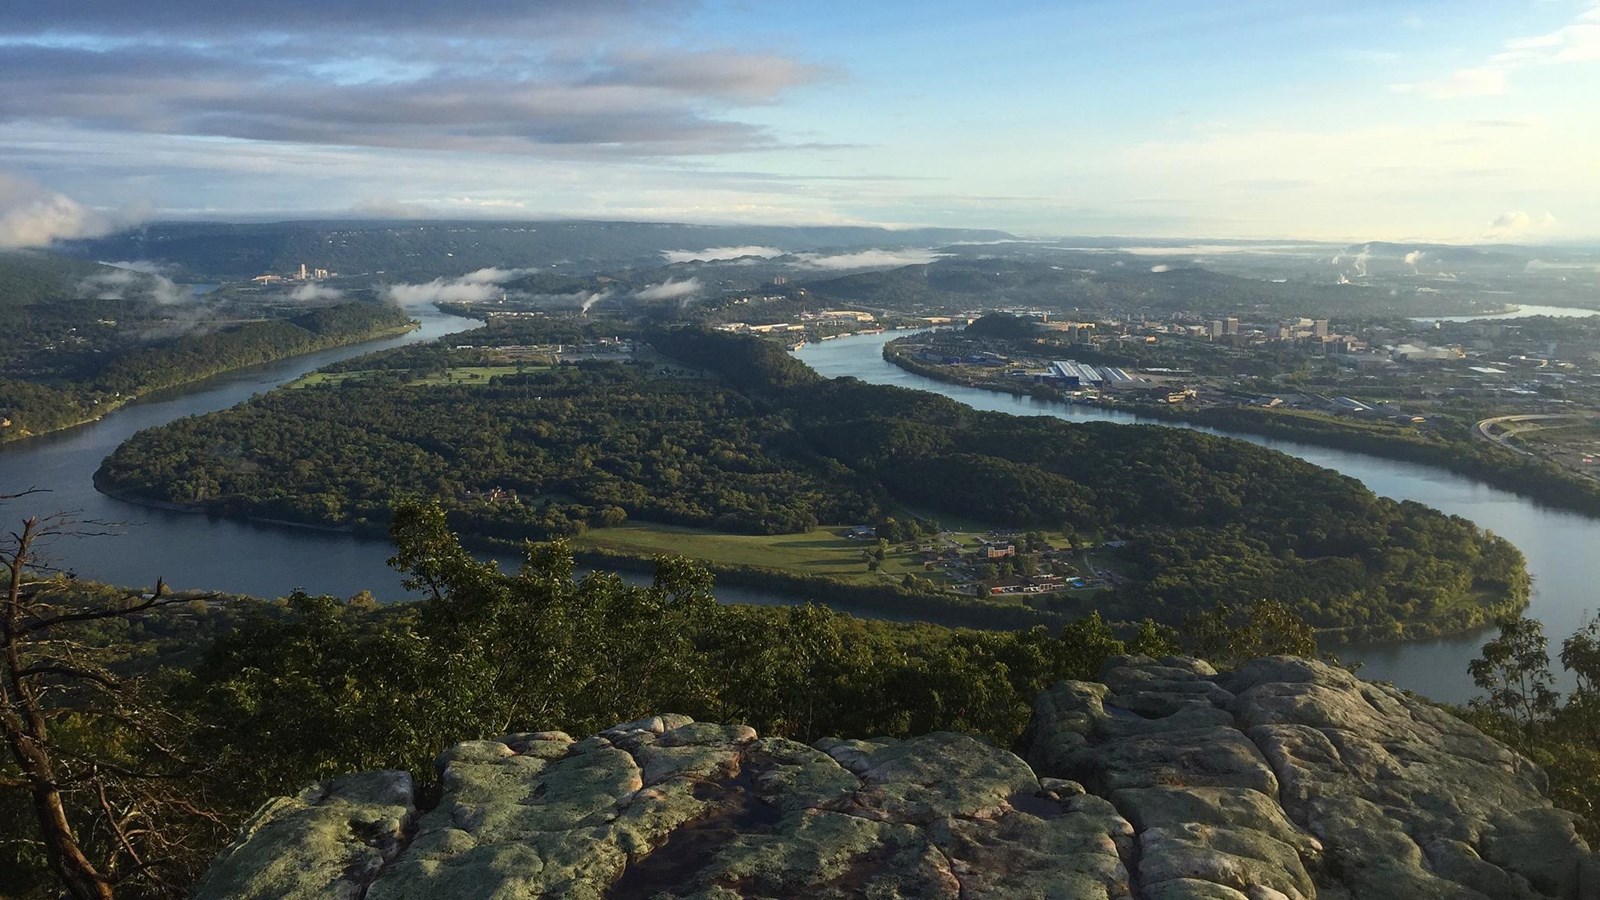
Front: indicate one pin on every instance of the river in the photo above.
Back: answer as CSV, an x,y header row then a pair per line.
x,y
204,552
1560,546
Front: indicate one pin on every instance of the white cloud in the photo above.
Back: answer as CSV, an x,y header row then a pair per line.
x,y
440,290
1517,223
670,290
128,283
869,259
494,275
1573,43
138,265
486,203
715,254
1482,81
390,209
315,293
32,215
473,287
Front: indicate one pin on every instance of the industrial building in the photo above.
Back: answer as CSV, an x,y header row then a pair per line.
x,y
1071,373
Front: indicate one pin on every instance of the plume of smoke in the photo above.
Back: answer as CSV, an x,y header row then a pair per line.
x,y
1361,260
1412,259
1161,268
670,290
32,215
716,254
315,293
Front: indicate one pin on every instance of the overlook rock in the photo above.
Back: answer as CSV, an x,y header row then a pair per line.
x,y
1286,778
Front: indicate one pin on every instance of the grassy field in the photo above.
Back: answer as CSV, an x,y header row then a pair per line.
x,y
822,552
476,374
457,375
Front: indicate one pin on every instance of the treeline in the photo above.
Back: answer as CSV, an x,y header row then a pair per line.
x,y
191,357
1108,282
583,445
1520,706
90,378
1533,478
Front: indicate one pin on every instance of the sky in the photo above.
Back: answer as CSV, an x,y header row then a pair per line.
x,y
1462,121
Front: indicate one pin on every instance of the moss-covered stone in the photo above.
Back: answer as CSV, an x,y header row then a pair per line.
x,y
1284,779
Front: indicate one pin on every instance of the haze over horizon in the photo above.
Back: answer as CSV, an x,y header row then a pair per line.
x,y
1461,122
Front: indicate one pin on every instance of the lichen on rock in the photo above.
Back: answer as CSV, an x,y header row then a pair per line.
x,y
1285,778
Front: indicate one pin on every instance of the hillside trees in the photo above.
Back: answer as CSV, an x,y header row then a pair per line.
x,y
1521,707
95,759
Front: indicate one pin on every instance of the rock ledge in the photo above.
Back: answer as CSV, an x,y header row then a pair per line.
x,y
1284,779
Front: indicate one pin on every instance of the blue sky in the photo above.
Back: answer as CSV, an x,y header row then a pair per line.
x,y
1460,121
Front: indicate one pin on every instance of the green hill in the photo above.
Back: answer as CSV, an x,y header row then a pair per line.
x,y
31,277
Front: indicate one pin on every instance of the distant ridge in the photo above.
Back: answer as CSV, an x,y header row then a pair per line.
x,y
404,248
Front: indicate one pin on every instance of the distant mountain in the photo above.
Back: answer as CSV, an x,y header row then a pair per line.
x,y
405,249
1440,254
994,282
1118,282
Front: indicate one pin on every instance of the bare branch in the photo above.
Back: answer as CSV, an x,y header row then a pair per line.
x,y
60,668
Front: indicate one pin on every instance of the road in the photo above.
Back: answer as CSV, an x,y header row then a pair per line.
x,y
1485,429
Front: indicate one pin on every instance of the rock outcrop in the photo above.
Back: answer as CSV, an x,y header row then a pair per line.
x,y
1284,779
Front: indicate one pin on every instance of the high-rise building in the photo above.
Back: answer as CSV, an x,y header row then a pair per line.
x,y
1216,328
1231,326
1319,328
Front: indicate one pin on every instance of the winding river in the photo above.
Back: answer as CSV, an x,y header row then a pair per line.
x,y
199,551
1561,547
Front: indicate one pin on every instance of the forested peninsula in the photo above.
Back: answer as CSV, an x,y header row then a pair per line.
x,y
731,435
68,364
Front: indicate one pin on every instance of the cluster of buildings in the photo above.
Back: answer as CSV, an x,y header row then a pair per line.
x,y
303,274
1073,374
1052,570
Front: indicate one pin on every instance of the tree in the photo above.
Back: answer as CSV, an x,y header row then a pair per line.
x,y
96,758
1226,635
1515,671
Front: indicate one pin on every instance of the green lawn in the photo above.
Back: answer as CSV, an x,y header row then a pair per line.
x,y
457,375
316,378
821,552
476,374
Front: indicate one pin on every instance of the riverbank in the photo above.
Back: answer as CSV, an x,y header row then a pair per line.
x,y
194,375
1521,475
886,601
